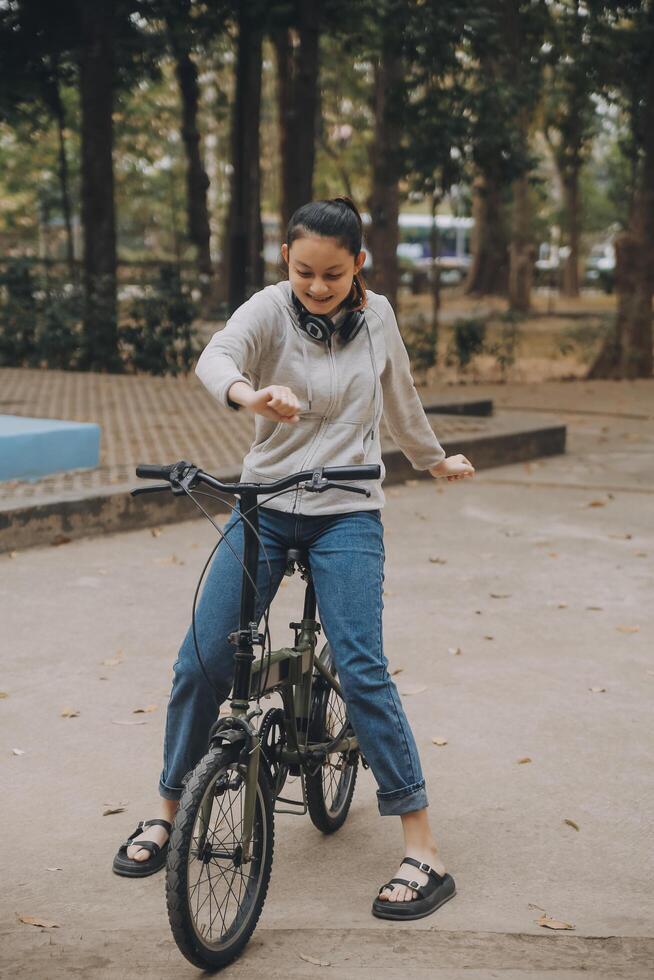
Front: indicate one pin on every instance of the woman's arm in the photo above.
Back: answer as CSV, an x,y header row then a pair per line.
x,y
403,411
237,349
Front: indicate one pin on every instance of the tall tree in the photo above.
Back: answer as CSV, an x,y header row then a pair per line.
x,y
96,59
295,32
504,38
244,238
569,120
624,36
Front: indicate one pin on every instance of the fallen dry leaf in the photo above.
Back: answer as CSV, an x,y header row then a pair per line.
x,y
597,503
595,608
143,722
562,605
524,759
628,629
13,554
312,959
488,637
456,650
114,661
18,751
396,670
412,688
3,694
549,923
571,823
146,710
552,554
155,531
621,536
70,713
597,690
34,920
438,561
439,741
500,595
112,809
60,539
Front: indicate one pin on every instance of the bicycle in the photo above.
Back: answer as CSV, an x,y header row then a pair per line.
x,y
222,835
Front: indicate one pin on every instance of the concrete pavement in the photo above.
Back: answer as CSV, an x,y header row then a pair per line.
x,y
543,583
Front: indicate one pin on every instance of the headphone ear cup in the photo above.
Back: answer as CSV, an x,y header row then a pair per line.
x,y
351,325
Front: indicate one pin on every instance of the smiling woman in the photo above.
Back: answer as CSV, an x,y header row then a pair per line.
x,y
318,360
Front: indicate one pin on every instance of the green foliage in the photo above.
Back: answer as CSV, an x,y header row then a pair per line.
x,y
39,319
159,337
504,349
19,311
468,337
420,339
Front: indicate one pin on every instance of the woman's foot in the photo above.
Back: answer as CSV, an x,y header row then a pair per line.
x,y
155,833
400,893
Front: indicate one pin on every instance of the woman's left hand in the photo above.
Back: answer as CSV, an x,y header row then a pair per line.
x,y
453,468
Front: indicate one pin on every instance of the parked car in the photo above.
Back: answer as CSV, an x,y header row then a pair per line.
x,y
600,266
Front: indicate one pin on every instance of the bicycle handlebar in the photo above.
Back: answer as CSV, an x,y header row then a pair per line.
x,y
176,473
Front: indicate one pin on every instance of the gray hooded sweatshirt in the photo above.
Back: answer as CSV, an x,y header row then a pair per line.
x,y
343,390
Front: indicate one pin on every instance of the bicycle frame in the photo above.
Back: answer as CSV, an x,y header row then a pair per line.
x,y
289,671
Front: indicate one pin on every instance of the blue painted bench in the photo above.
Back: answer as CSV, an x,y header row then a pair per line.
x,y
33,448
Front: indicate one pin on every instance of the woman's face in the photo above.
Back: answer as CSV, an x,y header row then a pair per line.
x,y
321,271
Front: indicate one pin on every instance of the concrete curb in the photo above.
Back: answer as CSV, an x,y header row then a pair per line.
x,y
115,510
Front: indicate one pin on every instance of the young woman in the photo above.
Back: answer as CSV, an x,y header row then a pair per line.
x,y
318,360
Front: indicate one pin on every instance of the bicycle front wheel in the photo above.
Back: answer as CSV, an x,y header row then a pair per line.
x,y
215,899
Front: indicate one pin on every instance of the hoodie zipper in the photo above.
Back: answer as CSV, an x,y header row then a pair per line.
x,y
318,436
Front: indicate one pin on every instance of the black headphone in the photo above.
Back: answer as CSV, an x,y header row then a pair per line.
x,y
321,327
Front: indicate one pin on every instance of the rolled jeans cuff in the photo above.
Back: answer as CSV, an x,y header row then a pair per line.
x,y
169,792
404,800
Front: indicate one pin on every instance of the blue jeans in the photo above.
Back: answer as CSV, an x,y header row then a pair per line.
x,y
346,555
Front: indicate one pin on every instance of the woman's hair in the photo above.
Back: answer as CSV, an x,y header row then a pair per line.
x,y
337,218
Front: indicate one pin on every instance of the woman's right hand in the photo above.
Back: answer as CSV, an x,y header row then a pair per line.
x,y
274,402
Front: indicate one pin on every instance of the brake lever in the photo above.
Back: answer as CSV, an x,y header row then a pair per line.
x,y
319,486
156,489
345,486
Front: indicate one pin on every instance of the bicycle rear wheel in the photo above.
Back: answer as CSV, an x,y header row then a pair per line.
x,y
214,901
330,790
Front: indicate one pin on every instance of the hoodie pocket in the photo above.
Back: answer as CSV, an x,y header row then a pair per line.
x,y
341,444
285,449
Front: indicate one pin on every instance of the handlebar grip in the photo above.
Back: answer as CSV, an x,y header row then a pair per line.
x,y
361,471
150,471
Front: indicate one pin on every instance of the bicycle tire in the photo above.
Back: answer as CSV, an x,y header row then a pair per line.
x,y
210,776
329,815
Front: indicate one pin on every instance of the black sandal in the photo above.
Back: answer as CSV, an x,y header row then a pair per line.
x,y
132,868
438,890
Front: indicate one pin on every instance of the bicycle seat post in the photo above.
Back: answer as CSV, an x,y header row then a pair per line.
x,y
246,635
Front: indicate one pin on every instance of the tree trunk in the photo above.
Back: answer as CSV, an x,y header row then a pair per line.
x,y
384,202
197,182
521,251
96,67
489,270
570,285
628,353
244,252
64,180
298,62
435,277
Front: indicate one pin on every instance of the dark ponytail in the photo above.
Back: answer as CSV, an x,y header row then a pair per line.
x,y
337,218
